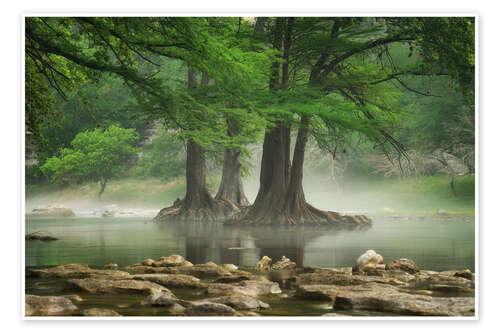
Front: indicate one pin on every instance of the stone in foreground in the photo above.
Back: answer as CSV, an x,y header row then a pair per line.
x,y
49,306
99,312
104,286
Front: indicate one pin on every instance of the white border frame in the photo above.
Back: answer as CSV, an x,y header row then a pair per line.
x,y
21,147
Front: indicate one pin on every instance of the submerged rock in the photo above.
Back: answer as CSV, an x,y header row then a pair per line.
x,y
334,278
317,292
263,264
49,306
284,263
252,288
172,280
238,302
105,286
99,312
403,264
210,309
51,211
202,271
167,301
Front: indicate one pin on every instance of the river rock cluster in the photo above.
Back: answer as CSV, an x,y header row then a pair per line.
x,y
396,288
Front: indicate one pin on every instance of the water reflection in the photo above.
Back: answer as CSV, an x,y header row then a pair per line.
x,y
96,241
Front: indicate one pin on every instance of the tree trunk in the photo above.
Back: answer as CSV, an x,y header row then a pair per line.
x,y
198,204
231,186
103,186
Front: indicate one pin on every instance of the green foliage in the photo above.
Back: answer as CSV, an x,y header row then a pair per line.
x,y
165,159
95,155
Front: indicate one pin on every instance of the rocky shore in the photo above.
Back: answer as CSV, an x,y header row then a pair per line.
x,y
398,288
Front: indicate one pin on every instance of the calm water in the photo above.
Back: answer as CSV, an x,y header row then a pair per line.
x,y
432,244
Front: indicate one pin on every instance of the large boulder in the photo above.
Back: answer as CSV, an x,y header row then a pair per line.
x,y
403,264
210,309
465,273
51,211
99,312
172,280
368,261
238,302
390,299
77,271
284,263
49,306
105,286
317,292
263,264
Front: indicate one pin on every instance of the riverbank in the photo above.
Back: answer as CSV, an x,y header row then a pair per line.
x,y
376,196
172,286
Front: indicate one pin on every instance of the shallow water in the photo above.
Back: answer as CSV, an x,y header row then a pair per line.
x,y
443,244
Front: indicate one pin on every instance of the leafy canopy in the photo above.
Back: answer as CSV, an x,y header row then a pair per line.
x,y
95,155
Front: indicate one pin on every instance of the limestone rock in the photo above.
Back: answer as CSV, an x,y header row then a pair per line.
x,y
49,306
386,298
51,211
230,267
77,271
105,286
172,280
317,292
99,312
367,261
238,302
171,261
210,309
284,263
111,266
403,264
252,288
263,264
465,273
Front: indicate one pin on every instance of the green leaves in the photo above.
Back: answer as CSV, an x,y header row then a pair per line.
x,y
96,155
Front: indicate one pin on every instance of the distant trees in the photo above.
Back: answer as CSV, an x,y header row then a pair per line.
x,y
96,155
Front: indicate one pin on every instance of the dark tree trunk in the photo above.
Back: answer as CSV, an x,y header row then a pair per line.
x,y
231,186
198,203
103,186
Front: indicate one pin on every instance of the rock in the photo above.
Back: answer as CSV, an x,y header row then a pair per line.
x,y
51,211
441,212
105,286
49,306
201,271
230,267
166,300
284,263
385,298
334,278
77,271
238,302
148,262
172,280
108,213
171,261
317,292
34,236
99,312
465,273
367,261
111,266
252,288
263,264
334,314
232,279
452,289
403,264
210,309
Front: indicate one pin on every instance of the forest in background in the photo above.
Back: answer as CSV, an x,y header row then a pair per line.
x,y
210,97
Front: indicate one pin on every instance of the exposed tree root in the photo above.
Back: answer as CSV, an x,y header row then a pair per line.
x,y
212,211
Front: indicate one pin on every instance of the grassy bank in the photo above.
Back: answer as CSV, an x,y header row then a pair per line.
x,y
373,195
